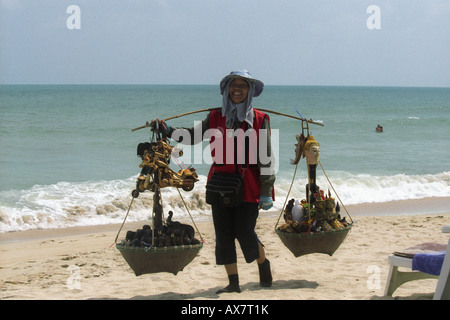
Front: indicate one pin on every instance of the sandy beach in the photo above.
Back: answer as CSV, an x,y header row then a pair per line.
x,y
82,263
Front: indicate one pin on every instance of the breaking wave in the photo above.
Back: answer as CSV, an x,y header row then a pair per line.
x,y
68,204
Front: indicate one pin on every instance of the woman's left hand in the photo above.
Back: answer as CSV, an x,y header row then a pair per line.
x,y
265,202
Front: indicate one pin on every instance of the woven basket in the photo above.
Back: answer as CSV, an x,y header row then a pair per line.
x,y
160,259
315,242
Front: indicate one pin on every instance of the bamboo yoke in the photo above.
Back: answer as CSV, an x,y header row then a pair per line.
x,y
147,124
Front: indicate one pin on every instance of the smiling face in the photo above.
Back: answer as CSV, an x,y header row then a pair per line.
x,y
238,90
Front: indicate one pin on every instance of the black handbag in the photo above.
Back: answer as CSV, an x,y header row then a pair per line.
x,y
226,190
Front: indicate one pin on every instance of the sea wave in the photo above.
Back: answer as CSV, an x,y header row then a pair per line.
x,y
67,204
365,188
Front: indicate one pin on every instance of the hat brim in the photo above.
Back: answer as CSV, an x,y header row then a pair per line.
x,y
259,85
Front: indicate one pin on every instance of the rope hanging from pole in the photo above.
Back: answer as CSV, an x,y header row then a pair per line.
x,y
335,192
128,211
192,219
287,196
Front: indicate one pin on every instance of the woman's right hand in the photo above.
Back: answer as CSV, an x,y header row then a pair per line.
x,y
159,125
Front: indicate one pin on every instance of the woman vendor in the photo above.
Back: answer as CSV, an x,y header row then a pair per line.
x,y
238,222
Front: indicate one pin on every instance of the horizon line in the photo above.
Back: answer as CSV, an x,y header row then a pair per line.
x,y
206,84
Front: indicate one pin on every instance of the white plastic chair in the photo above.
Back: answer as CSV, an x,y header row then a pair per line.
x,y
396,278
443,287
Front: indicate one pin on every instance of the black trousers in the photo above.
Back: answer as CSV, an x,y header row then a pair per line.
x,y
236,223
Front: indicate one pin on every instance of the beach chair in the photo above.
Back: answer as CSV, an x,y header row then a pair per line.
x,y
404,259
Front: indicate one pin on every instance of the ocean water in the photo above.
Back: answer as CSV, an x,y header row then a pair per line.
x,y
68,155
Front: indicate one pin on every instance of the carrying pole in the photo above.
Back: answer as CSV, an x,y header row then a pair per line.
x,y
148,124
293,117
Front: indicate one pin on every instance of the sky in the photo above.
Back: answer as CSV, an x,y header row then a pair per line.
x,y
282,42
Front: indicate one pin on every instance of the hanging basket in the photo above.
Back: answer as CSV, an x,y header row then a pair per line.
x,y
158,259
315,242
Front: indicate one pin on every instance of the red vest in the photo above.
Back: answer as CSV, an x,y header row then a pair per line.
x,y
237,154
